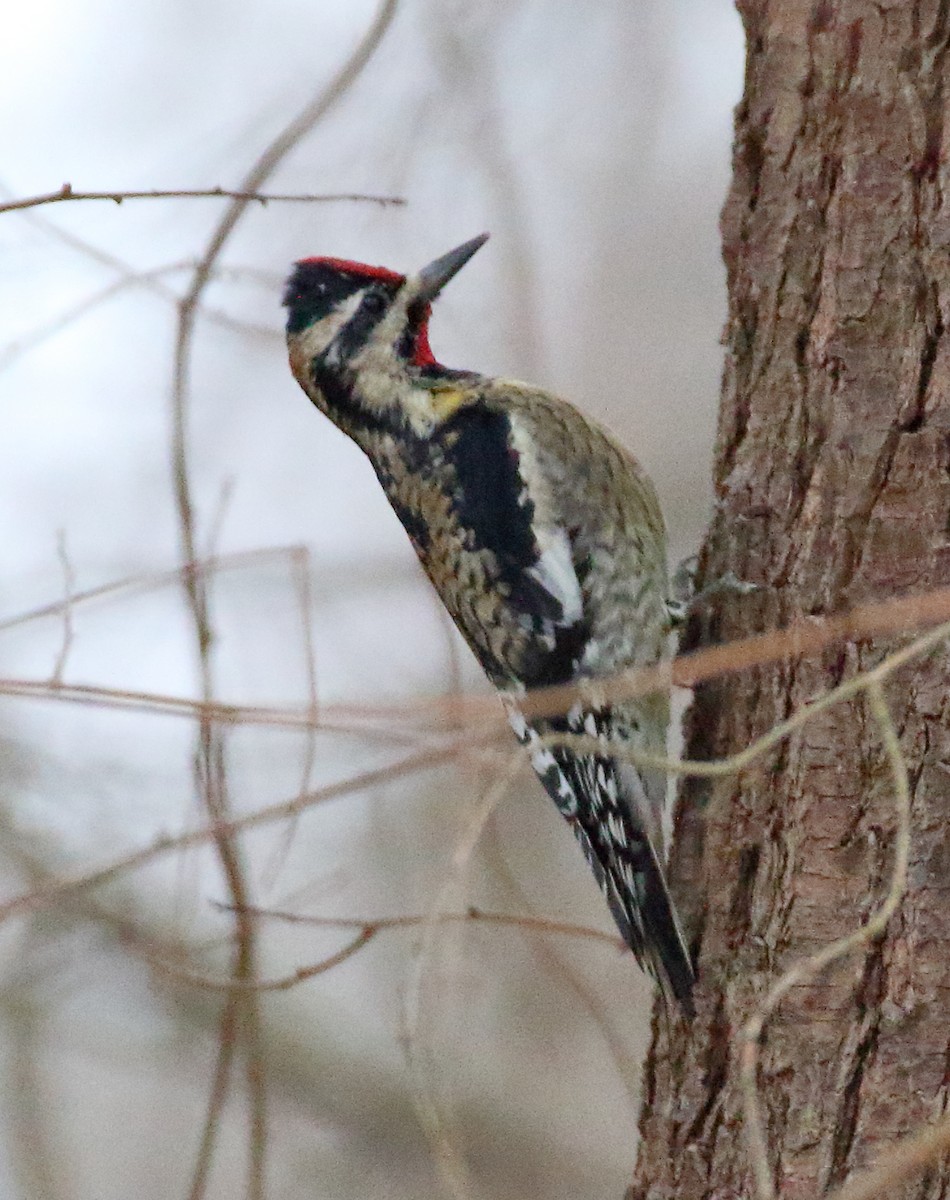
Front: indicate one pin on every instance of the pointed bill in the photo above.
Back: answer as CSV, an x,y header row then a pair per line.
x,y
434,277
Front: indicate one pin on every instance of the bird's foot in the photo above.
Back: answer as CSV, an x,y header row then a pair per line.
x,y
685,599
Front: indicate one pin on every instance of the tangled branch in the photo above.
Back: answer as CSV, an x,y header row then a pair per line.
x,y
366,930
908,1158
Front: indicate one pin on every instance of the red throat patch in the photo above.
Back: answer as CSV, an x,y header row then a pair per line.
x,y
422,354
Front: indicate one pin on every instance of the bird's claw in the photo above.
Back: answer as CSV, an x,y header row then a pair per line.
x,y
685,599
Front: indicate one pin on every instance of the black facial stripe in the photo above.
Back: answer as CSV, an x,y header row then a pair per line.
x,y
344,406
315,289
416,314
406,345
359,328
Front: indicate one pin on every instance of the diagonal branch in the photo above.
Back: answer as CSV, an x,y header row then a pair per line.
x,y
210,750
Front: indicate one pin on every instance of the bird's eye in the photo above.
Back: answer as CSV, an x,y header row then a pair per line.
x,y
373,302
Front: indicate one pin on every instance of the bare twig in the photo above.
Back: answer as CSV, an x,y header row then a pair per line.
x,y
892,616
637,683
300,565
903,615
246,196
152,280
449,1157
210,747
69,582
908,1158
218,516
583,743
220,1083
233,714
471,914
210,566
46,894
366,931
581,982
300,571
16,348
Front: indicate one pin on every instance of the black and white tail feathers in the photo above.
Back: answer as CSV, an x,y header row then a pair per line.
x,y
593,792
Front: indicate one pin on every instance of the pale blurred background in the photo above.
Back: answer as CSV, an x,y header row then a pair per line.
x,y
593,142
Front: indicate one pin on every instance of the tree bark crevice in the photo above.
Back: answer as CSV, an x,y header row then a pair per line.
x,y
832,480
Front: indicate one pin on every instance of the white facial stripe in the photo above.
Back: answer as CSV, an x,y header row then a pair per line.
x,y
384,336
382,375
316,337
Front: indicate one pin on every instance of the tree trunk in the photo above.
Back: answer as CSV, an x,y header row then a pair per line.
x,y
832,490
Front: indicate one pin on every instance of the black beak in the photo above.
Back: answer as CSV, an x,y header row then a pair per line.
x,y
434,277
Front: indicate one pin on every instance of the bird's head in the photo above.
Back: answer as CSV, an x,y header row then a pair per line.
x,y
359,340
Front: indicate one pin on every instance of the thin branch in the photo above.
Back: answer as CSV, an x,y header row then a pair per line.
x,y
584,743
366,931
46,894
891,616
412,920
218,516
220,1084
808,968
209,566
909,1157
230,714
449,1157
210,748
229,984
583,984
69,582
901,615
129,277
246,196
351,577
300,572
637,684
19,346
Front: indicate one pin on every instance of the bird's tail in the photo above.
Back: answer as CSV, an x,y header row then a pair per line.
x,y
606,803
634,882
662,949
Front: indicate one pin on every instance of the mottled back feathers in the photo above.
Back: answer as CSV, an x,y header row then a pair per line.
x,y
544,540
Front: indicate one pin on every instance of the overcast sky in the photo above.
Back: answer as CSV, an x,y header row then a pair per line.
x,y
593,142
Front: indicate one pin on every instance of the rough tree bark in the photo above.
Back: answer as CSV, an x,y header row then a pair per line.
x,y
833,489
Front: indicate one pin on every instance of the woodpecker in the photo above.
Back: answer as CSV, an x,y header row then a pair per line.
x,y
542,536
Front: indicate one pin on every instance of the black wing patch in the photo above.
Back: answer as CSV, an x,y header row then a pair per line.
x,y
492,504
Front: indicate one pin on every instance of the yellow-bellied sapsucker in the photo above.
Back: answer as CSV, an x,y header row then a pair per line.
x,y
543,538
